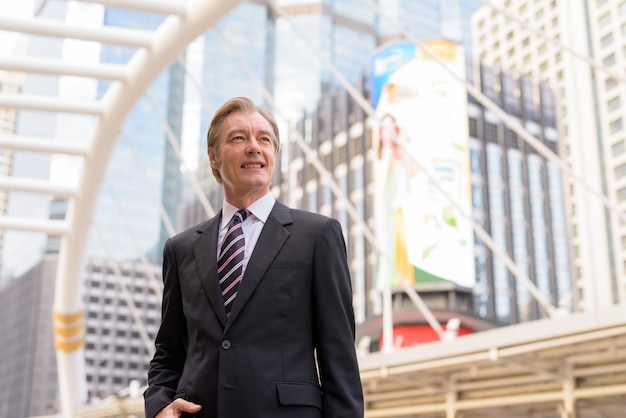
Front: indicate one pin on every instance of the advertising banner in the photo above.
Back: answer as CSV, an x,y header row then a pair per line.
x,y
422,115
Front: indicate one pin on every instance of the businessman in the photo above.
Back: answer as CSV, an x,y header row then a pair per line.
x,y
257,318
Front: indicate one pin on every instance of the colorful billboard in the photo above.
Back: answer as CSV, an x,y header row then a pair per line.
x,y
422,115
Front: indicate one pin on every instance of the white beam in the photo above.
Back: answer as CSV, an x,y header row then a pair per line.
x,y
50,104
46,226
44,145
27,185
53,67
108,35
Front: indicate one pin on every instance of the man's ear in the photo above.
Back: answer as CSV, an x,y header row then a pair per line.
x,y
213,158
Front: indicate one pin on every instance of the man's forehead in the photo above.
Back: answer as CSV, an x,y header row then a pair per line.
x,y
242,120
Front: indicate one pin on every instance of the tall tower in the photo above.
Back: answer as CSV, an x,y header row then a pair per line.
x,y
428,19
343,30
546,39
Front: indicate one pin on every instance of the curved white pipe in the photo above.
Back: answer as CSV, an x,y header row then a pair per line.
x,y
170,39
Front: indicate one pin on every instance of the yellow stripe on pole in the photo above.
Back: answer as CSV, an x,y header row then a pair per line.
x,y
69,331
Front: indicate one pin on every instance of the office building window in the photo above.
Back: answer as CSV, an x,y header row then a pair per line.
x,y
616,125
606,40
542,49
491,133
610,83
473,128
609,61
604,20
620,171
557,57
477,197
618,148
475,161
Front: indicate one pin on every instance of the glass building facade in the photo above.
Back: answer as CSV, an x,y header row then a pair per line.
x,y
142,173
342,31
429,19
518,199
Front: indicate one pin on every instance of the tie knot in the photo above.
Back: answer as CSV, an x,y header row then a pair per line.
x,y
240,216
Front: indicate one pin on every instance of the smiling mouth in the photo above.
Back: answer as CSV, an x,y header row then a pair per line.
x,y
252,166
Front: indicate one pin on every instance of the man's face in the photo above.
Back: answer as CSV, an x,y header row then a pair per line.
x,y
245,155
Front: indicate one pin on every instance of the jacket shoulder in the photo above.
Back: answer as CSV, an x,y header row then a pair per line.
x,y
191,234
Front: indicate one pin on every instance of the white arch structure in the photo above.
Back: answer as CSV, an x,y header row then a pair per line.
x,y
155,52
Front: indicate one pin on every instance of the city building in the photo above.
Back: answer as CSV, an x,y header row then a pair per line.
x,y
577,48
518,198
122,302
28,371
122,317
445,19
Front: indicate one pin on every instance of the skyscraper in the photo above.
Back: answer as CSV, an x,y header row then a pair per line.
x,y
28,371
558,41
430,19
143,171
518,197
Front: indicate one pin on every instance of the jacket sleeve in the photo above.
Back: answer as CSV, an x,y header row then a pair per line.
x,y
334,326
167,364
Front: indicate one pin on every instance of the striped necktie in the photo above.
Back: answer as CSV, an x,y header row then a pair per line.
x,y
230,263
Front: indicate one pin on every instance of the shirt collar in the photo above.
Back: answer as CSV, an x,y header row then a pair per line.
x,y
260,208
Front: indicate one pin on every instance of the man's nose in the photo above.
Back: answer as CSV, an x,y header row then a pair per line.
x,y
253,146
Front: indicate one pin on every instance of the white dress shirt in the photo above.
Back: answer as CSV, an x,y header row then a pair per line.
x,y
252,226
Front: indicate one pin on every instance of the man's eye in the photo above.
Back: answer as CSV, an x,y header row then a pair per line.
x,y
238,138
267,140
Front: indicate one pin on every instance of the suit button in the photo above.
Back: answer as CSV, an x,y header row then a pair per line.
x,y
226,344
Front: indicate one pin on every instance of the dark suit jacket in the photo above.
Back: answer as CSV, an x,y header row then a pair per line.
x,y
292,318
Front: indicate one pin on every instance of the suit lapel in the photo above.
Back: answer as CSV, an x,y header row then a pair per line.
x,y
271,240
205,255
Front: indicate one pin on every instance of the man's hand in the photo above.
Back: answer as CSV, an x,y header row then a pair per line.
x,y
177,408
